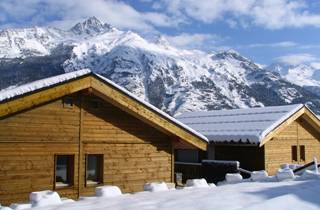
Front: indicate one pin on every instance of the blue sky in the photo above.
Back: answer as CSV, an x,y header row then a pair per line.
x,y
266,31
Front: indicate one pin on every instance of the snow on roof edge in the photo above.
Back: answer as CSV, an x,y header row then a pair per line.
x,y
153,107
278,122
42,83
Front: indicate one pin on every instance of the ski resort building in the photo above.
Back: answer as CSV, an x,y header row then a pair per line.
x,y
73,132
259,138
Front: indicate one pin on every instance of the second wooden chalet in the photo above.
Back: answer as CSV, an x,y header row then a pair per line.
x,y
259,138
73,132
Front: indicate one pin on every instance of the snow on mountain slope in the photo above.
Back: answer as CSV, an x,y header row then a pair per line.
x,y
304,75
172,79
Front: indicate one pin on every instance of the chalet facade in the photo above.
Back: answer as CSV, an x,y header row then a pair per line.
x,y
76,131
259,138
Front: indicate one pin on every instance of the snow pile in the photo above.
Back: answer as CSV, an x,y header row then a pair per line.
x,y
233,177
308,174
5,208
156,187
293,195
20,206
285,174
44,198
259,175
108,191
197,183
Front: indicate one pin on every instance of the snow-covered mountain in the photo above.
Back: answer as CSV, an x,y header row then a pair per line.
x,y
305,75
174,80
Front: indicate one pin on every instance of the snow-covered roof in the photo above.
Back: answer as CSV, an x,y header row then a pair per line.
x,y
11,93
7,94
250,125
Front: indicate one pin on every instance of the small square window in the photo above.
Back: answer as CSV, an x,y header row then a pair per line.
x,y
64,166
68,102
94,169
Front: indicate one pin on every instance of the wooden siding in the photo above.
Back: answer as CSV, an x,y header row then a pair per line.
x,y
278,150
134,152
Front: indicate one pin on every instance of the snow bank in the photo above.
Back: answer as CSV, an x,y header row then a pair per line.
x,y
44,198
5,208
259,175
20,206
108,191
308,174
233,177
156,187
200,183
285,174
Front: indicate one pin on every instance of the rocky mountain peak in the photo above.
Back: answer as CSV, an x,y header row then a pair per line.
x,y
91,25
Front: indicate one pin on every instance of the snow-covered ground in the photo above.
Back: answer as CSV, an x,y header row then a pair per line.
x,y
293,195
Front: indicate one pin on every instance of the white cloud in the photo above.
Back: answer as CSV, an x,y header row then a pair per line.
x,y
295,59
272,14
197,40
276,44
65,13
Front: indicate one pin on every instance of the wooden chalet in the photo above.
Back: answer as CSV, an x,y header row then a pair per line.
x,y
259,138
73,132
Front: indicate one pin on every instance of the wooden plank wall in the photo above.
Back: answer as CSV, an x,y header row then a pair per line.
x,y
28,143
310,138
134,152
278,150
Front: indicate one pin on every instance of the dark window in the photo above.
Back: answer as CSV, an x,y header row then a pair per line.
x,y
64,166
294,153
302,153
68,102
94,172
187,155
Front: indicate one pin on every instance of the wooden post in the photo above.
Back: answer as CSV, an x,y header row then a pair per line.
x,y
80,147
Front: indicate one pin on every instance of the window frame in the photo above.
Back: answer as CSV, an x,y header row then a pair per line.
x,y
294,153
302,149
199,155
100,168
70,171
68,102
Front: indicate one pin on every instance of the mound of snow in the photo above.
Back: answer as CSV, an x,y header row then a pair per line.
x,y
291,166
44,198
308,174
156,187
285,174
197,183
20,206
259,175
5,208
108,191
66,200
233,177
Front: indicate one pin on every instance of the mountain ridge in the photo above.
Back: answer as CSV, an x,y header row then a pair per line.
x,y
174,80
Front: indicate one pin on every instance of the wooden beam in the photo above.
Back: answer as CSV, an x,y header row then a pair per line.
x,y
42,96
140,111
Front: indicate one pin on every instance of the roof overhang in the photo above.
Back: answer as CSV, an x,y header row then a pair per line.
x,y
111,93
